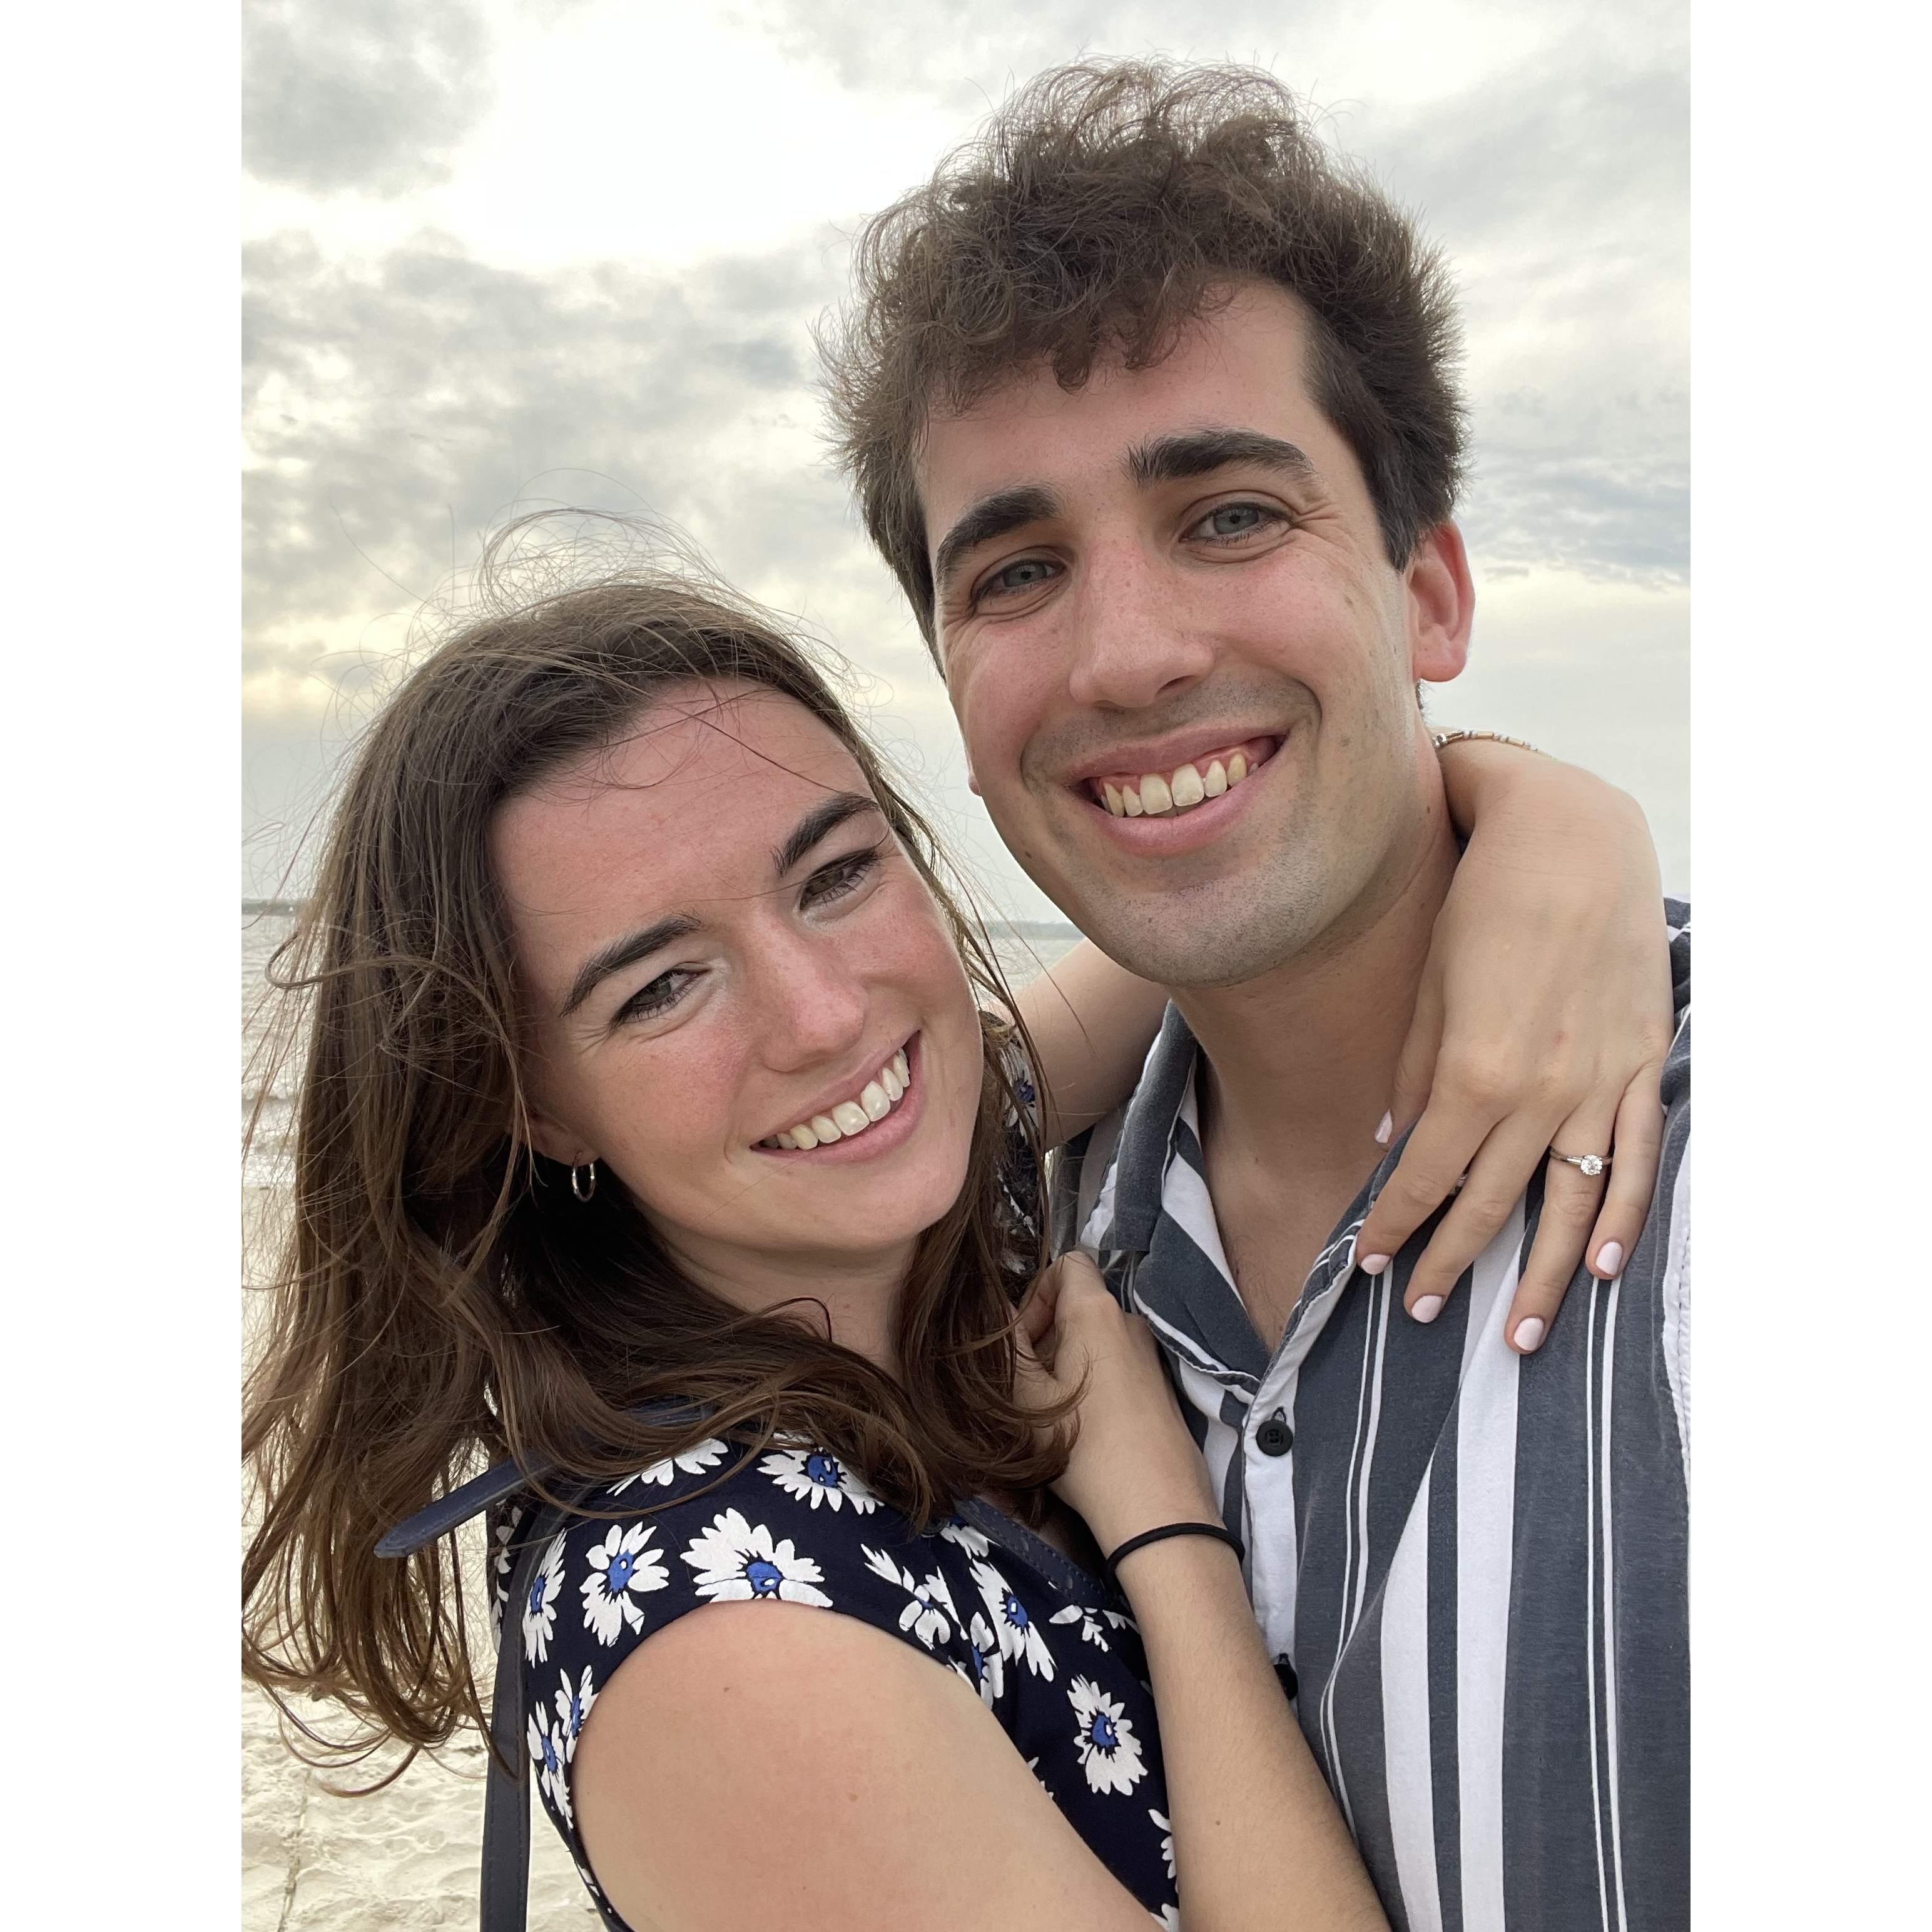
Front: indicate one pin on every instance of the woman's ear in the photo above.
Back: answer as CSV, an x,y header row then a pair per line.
x,y
1441,605
552,1139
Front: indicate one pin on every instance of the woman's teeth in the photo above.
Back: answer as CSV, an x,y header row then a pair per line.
x,y
873,1101
1186,786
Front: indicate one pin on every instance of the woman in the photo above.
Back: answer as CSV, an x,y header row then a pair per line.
x,y
664,1126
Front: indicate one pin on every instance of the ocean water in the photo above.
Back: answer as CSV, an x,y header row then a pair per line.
x,y
1024,952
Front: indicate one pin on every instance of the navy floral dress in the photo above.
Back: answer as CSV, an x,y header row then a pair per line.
x,y
1048,1649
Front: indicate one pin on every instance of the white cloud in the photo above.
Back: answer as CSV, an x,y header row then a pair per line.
x,y
595,287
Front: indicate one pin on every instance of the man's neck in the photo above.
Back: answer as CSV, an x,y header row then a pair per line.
x,y
1300,1064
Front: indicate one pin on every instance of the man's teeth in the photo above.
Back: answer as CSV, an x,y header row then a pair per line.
x,y
873,1101
1182,790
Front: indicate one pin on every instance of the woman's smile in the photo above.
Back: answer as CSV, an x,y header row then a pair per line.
x,y
879,1116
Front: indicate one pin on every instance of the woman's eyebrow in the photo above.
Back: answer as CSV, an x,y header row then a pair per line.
x,y
826,816
626,952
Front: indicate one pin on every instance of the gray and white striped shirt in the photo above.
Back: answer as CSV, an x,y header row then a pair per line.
x,y
1473,1562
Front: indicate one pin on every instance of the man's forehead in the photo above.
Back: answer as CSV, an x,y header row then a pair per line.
x,y
1245,359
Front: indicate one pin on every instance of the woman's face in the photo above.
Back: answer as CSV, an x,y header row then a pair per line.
x,y
723,943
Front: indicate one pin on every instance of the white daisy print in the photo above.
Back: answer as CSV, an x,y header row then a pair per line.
x,y
693,1461
546,1742
736,1561
1018,1634
1110,1754
540,1605
1090,1622
931,1614
1162,1825
955,1529
1167,1918
986,1668
622,1568
573,1706
816,1476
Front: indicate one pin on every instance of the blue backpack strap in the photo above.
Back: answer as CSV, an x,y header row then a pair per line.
x,y
495,1485
505,1899
504,1904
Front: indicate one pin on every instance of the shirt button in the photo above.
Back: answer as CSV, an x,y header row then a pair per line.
x,y
1274,1437
1290,1683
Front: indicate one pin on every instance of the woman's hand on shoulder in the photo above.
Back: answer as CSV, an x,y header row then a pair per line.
x,y
1542,1023
1134,1466
826,1771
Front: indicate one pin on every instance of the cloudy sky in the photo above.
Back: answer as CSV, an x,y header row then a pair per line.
x,y
568,251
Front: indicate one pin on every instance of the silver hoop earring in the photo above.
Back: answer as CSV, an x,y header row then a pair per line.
x,y
584,1189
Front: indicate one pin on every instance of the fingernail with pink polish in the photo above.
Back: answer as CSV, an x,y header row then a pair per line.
x,y
1372,1264
1610,1257
1529,1334
1428,1308
1383,1131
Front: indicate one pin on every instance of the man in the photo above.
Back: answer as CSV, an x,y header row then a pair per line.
x,y
1149,405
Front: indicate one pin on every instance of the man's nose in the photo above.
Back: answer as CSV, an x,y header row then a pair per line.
x,y
814,1000
1132,642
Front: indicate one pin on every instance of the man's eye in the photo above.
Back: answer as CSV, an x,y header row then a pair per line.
x,y
658,997
841,876
1015,580
1232,521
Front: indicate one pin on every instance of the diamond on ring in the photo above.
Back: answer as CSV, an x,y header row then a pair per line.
x,y
1591,1164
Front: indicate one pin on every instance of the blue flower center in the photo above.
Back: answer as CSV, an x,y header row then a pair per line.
x,y
550,1754
622,1565
1101,1730
1015,1611
979,1662
822,1469
537,1596
764,1577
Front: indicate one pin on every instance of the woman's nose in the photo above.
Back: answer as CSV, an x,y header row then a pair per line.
x,y
815,1002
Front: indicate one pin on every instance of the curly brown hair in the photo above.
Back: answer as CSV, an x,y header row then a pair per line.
x,y
442,1300
1104,208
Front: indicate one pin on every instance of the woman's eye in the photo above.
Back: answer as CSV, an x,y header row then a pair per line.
x,y
841,876
1230,522
1015,580
658,997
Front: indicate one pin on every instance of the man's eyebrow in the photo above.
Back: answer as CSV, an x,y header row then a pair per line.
x,y
827,816
824,816
626,952
1173,459
991,517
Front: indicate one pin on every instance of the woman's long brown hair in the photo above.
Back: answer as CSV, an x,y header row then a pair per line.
x,y
442,1299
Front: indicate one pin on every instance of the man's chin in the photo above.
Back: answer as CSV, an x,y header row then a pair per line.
x,y
1185,946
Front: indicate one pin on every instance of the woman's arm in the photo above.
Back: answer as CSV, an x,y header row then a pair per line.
x,y
1542,1022
774,1765
1258,1842
1091,1023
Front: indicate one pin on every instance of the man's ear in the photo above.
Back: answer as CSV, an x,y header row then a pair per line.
x,y
1441,605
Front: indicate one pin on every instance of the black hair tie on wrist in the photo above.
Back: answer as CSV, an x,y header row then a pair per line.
x,y
1217,1531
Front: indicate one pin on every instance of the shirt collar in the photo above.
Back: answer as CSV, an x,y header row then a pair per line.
x,y
1141,1166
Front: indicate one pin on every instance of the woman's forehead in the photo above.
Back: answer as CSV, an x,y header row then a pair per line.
x,y
707,780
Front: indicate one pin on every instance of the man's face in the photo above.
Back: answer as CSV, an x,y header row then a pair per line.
x,y
1170,584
